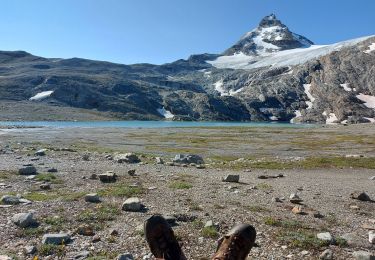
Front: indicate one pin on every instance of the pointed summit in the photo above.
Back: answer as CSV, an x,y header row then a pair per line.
x,y
270,21
270,36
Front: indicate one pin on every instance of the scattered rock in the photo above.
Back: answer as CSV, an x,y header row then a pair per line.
x,y
298,210
34,159
231,178
56,239
10,200
92,197
326,236
113,232
41,152
5,257
276,199
294,198
51,170
270,176
24,220
29,250
125,257
131,172
27,170
363,255
169,163
352,239
85,230
86,157
45,186
371,237
188,158
360,196
159,160
127,158
372,178
200,166
210,223
81,255
326,255
93,176
132,204
95,239
109,176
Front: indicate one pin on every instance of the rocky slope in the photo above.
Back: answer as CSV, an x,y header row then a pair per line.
x,y
271,74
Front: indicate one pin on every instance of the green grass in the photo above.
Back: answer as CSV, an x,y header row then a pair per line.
x,y
210,232
289,224
264,186
99,215
38,196
49,249
30,232
301,239
57,223
48,177
180,185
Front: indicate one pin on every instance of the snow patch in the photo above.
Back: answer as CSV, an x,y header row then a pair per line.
x,y
273,118
371,48
331,118
219,88
346,88
298,114
165,113
233,92
369,100
311,98
42,95
279,58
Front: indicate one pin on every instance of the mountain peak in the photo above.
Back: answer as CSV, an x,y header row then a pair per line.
x,y
269,21
270,36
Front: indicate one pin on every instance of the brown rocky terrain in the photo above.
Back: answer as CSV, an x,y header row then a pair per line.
x,y
323,166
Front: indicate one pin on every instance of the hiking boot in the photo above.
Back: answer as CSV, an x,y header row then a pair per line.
x,y
161,240
236,244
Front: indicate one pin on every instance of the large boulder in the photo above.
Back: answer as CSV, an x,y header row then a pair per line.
x,y
24,220
132,204
127,158
188,158
10,200
27,170
108,176
56,239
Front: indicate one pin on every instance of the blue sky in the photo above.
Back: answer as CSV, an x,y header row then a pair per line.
x,y
159,31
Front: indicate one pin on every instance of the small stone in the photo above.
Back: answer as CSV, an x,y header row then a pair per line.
x,y
41,152
24,220
200,166
85,230
114,232
29,250
86,157
131,172
298,210
52,170
159,160
45,186
371,237
92,197
95,239
326,255
56,239
5,257
276,199
34,159
93,176
27,170
316,214
109,176
10,200
304,253
187,159
127,158
125,257
372,178
363,255
326,236
362,196
231,178
132,204
81,255
294,198
169,163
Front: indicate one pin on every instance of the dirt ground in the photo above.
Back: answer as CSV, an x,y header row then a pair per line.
x,y
323,165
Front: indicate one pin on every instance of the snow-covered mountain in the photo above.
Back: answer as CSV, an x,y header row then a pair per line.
x,y
270,74
269,37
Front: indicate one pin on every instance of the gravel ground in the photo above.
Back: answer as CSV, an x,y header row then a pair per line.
x,y
194,196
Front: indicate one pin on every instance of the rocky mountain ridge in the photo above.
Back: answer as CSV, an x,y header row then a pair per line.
x,y
271,74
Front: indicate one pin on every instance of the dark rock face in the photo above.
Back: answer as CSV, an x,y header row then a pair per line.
x,y
193,89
